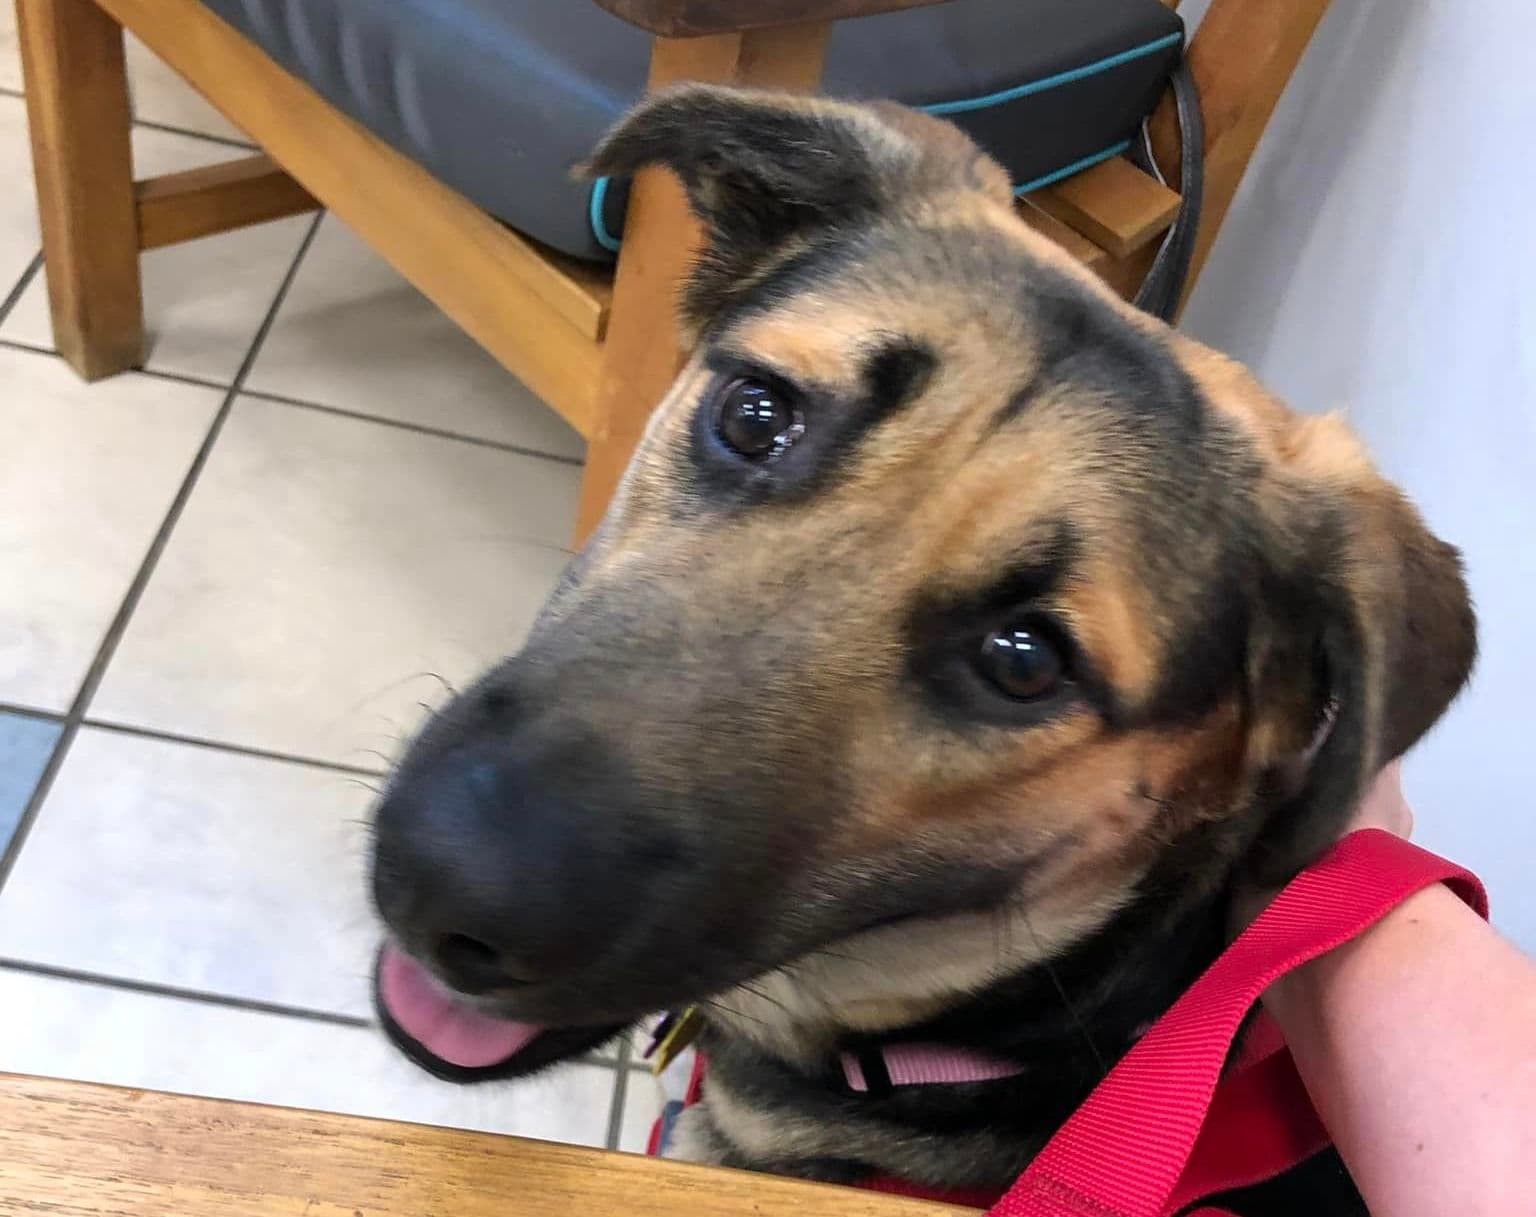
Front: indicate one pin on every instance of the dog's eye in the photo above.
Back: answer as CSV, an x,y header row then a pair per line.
x,y
757,420
1021,662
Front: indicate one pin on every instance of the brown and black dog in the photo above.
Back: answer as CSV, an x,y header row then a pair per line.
x,y
959,640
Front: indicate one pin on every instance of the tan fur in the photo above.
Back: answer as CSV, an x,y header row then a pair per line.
x,y
934,505
937,506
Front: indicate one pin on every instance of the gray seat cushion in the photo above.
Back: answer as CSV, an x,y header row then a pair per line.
x,y
498,98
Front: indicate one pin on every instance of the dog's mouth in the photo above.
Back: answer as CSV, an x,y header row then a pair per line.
x,y
454,1039
453,1036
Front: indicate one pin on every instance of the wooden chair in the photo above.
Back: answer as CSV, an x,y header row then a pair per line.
x,y
597,345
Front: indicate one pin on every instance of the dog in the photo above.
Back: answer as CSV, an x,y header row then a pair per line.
x,y
958,642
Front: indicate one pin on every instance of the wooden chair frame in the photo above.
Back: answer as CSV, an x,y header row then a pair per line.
x,y
597,345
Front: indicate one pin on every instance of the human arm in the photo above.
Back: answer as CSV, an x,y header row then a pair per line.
x,y
1417,1042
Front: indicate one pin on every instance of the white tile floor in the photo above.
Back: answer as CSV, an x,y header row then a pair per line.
x,y
225,584
10,56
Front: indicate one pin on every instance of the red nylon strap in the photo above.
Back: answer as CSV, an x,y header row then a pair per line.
x,y
1260,1123
696,1080
1125,1150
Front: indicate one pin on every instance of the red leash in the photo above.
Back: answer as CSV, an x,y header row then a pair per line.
x,y
1158,1133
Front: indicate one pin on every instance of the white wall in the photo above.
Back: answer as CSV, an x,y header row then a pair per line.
x,y
1381,259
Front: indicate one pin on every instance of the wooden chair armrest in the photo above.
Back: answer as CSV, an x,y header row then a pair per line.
x,y
693,18
1114,204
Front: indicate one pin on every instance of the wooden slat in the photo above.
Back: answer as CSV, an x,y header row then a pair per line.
x,y
692,18
77,111
539,321
593,279
1079,246
1113,204
785,57
216,198
661,237
96,1151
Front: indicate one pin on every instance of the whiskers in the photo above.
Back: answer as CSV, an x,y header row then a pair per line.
x,y
763,995
1164,826
728,1013
841,956
1061,991
448,685
399,737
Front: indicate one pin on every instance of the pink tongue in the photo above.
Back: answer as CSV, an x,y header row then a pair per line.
x,y
449,1029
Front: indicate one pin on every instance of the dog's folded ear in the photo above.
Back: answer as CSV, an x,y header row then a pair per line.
x,y
767,172
1364,635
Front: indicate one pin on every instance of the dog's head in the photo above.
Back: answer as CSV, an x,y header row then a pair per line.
x,y
944,587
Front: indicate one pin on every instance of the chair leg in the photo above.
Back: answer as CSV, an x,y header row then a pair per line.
x,y
641,353
77,109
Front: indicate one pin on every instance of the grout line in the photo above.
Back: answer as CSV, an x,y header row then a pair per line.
x,y
181,378
51,716
593,1059
172,129
169,128
620,1090
184,378
32,348
151,988
135,593
419,428
15,294
194,741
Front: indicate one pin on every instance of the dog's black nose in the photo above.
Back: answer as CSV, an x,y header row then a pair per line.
x,y
494,859
474,966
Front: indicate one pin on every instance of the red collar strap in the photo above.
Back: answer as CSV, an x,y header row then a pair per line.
x,y
1158,1133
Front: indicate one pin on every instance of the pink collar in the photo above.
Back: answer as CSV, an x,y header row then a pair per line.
x,y
876,1070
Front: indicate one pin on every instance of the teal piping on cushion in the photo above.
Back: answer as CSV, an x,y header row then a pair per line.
x,y
1050,82
609,242
604,238
600,231
1074,167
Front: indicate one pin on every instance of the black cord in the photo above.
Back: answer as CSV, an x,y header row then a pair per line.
x,y
1163,287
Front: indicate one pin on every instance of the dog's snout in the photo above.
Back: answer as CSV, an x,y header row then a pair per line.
x,y
491,865
475,966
